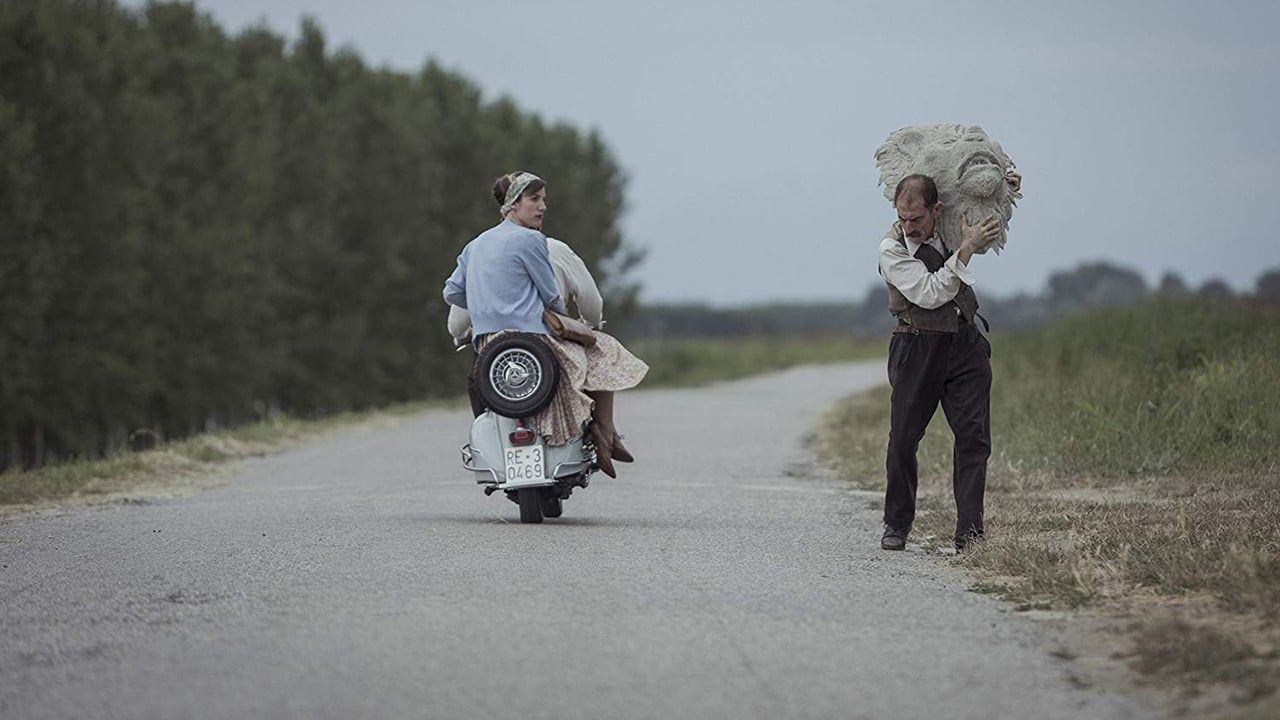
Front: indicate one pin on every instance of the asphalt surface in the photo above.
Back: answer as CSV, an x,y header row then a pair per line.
x,y
367,576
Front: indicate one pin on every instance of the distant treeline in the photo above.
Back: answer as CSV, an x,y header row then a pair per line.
x,y
199,229
1092,285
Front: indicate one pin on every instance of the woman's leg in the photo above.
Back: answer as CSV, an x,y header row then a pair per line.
x,y
601,435
603,414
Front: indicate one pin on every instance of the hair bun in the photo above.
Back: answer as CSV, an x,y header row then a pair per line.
x,y
500,187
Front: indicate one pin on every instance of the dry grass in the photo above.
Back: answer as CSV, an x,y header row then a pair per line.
x,y
1134,478
178,467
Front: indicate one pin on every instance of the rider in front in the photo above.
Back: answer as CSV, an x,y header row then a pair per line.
x,y
505,278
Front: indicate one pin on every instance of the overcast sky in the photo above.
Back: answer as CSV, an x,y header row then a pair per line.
x,y
1146,131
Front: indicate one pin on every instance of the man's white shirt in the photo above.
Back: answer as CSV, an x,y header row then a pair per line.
x,y
901,269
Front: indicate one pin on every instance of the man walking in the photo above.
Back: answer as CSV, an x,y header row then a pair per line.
x,y
937,355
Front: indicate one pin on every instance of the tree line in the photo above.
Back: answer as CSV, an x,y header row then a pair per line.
x,y
1085,287
199,229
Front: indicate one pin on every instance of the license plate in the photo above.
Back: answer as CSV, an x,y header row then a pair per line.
x,y
524,464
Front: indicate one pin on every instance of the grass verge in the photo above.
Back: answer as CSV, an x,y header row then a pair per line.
x,y
185,465
1134,475
181,466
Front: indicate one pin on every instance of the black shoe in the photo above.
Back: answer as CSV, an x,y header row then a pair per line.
x,y
966,539
894,538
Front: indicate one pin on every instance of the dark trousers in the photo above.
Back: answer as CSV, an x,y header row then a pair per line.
x,y
953,369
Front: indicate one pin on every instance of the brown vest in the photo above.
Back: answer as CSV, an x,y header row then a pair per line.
x,y
914,319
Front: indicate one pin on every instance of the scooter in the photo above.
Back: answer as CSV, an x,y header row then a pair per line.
x,y
516,376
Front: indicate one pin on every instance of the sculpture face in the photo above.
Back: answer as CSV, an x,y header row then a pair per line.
x,y
967,166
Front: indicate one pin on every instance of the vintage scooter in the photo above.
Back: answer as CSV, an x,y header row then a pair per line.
x,y
516,376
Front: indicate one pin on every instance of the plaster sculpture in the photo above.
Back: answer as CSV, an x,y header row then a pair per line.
x,y
967,166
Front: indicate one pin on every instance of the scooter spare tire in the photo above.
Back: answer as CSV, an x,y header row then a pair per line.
x,y
517,375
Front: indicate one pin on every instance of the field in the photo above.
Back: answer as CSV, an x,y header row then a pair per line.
x,y
1134,478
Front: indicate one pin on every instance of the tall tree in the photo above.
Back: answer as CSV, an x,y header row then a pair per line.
x,y
200,229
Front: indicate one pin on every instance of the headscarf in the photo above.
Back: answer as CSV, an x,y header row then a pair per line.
x,y
518,185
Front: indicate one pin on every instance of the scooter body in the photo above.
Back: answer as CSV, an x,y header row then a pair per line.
x,y
508,456
505,458
516,375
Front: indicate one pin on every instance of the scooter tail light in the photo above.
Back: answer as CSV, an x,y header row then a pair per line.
x,y
521,435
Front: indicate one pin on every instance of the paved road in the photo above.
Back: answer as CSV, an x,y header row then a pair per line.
x,y
366,576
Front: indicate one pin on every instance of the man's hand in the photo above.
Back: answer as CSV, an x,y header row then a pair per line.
x,y
981,235
976,238
895,231
1014,178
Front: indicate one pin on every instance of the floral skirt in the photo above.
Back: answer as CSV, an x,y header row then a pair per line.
x,y
607,366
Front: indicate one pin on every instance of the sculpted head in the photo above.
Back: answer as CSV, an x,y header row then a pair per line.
x,y
967,166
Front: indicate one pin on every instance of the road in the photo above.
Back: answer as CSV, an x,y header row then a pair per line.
x,y
366,576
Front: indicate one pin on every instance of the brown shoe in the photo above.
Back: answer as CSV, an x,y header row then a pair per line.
x,y
620,453
604,451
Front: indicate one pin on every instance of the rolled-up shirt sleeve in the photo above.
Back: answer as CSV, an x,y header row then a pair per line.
x,y
455,288
459,322
537,261
581,286
915,282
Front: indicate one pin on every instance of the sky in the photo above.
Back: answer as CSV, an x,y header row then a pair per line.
x,y
1146,132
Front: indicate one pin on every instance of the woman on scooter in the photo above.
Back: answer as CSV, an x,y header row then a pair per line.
x,y
504,279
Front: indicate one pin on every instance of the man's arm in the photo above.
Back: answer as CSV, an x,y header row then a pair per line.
x,y
913,279
582,287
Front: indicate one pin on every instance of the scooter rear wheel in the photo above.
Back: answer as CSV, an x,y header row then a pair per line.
x,y
530,500
552,505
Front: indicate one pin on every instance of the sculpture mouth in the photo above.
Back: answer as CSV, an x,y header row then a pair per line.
x,y
978,159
